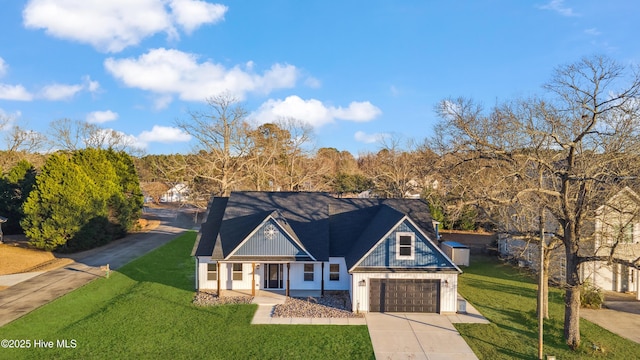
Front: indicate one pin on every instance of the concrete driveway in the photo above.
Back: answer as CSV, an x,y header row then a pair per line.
x,y
621,316
416,336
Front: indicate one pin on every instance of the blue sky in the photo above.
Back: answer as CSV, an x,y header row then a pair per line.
x,y
355,70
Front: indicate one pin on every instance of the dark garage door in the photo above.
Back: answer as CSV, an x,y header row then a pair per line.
x,y
404,295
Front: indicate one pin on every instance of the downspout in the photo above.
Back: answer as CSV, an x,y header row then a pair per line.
x,y
218,279
253,279
322,279
288,267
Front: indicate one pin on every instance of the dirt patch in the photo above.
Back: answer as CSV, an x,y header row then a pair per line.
x,y
16,258
146,225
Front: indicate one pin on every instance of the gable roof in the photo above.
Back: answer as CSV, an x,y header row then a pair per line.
x,y
384,221
323,225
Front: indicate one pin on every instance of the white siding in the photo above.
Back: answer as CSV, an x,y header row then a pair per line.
x,y
201,273
602,275
344,282
297,277
448,291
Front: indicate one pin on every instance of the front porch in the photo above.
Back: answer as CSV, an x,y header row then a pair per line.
x,y
271,297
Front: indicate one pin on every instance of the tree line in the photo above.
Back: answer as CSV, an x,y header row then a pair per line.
x,y
516,167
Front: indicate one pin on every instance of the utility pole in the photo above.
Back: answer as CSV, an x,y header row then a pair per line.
x,y
541,289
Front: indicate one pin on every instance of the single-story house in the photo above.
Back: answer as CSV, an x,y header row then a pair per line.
x,y
178,193
381,251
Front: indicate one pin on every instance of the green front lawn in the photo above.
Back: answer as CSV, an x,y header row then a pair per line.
x,y
507,297
144,311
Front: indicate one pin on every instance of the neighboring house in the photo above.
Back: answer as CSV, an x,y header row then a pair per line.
x,y
526,253
617,234
381,251
178,193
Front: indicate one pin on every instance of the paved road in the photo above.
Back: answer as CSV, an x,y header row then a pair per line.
x,y
29,295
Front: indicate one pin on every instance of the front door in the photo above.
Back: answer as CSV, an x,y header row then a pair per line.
x,y
273,276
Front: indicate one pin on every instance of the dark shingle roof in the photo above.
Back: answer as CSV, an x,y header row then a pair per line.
x,y
379,226
210,227
324,225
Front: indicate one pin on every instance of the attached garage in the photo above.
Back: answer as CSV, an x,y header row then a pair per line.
x,y
404,295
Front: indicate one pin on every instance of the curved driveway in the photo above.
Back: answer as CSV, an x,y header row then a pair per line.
x,y
30,294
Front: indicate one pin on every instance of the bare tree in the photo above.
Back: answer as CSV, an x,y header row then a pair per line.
x,y
393,168
223,143
19,139
70,135
567,154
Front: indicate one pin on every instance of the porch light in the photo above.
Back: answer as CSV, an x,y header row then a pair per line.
x,y
257,266
446,283
362,283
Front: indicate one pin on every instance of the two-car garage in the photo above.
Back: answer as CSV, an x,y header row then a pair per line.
x,y
404,295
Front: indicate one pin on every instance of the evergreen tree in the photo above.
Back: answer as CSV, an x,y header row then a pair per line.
x,y
63,200
15,187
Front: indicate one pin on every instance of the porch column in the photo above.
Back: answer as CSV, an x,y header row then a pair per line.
x,y
218,280
637,284
322,279
287,290
253,279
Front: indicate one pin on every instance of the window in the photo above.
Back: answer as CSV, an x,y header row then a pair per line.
x,y
212,271
405,242
308,272
237,271
334,272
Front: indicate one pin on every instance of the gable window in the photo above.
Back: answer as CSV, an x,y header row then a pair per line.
x,y
334,272
237,271
405,245
308,272
212,271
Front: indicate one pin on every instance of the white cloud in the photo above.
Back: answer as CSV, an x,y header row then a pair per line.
x,y
312,82
313,111
168,71
3,67
91,85
14,92
191,14
164,134
57,92
361,136
592,31
113,25
99,117
162,102
559,7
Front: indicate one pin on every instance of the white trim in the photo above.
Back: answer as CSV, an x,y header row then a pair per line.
x,y
412,235
419,231
378,243
259,227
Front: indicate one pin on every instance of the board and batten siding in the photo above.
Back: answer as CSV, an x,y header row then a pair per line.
x,y
426,254
270,243
202,282
226,276
448,290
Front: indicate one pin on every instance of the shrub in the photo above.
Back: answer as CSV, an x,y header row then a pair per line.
x,y
591,297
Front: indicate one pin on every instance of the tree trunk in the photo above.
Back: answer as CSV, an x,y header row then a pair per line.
x,y
572,303
545,288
